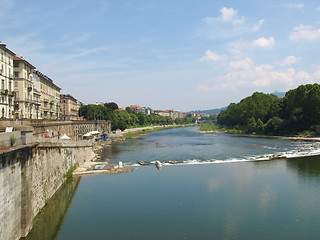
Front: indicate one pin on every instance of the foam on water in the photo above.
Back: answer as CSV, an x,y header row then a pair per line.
x,y
301,149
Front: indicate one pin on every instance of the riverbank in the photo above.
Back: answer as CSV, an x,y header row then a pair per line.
x,y
134,132
295,138
97,166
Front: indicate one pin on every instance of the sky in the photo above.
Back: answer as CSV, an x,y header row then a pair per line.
x,y
169,54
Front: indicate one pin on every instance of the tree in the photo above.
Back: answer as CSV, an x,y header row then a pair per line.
x,y
259,126
274,125
129,110
252,124
111,105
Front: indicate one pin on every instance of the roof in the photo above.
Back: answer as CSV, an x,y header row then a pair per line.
x,y
135,106
4,47
46,78
16,58
68,96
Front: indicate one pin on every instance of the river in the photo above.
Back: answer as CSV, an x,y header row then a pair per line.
x,y
224,188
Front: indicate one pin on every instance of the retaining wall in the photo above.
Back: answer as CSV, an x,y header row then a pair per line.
x,y
29,176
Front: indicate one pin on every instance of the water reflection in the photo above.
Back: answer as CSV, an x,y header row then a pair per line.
x,y
306,167
48,222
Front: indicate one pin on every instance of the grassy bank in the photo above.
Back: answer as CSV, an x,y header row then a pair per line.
x,y
211,127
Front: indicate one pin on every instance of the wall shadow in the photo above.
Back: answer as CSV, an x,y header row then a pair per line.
x,y
47,224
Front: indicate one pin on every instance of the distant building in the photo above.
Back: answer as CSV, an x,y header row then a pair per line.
x,y
99,103
23,87
181,115
137,108
69,107
170,113
163,113
48,104
6,82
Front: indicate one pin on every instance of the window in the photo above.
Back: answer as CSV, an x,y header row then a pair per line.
x,y
16,74
16,64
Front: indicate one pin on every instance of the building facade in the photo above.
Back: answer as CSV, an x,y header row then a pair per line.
x,y
6,82
23,87
48,94
69,107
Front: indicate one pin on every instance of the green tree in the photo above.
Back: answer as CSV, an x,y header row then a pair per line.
x,y
251,125
111,105
259,126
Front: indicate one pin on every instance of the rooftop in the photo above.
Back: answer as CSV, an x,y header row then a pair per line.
x,y
16,58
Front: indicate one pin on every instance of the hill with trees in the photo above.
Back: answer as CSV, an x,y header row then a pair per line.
x,y
297,111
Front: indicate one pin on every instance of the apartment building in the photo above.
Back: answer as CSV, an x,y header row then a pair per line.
x,y
48,95
69,107
6,82
23,87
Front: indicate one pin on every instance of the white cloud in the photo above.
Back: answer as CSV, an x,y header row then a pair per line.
x,y
295,5
258,25
289,60
227,15
212,56
318,8
305,33
266,43
243,64
247,75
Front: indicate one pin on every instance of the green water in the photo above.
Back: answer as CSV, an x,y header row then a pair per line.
x,y
276,199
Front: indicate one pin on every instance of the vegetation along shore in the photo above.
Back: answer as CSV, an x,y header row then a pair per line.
x,y
297,114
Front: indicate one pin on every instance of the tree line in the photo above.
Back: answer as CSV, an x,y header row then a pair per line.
x,y
264,113
127,118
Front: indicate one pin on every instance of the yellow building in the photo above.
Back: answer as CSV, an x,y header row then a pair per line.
x,y
23,87
6,82
49,96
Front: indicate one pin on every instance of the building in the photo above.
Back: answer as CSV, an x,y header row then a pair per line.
x,y
48,106
23,87
163,113
6,82
137,108
69,107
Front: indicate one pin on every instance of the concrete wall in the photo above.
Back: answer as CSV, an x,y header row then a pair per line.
x,y
20,137
29,176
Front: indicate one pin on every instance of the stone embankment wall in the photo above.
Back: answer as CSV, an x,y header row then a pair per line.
x,y
29,175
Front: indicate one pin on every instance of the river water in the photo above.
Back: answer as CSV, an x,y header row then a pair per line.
x,y
224,188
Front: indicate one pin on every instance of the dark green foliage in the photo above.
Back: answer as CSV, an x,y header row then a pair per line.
x,y
251,125
259,126
296,112
111,105
274,125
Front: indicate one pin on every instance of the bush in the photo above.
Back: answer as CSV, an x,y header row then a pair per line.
x,y
12,140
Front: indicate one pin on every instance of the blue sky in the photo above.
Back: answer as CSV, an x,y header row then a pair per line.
x,y
168,54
